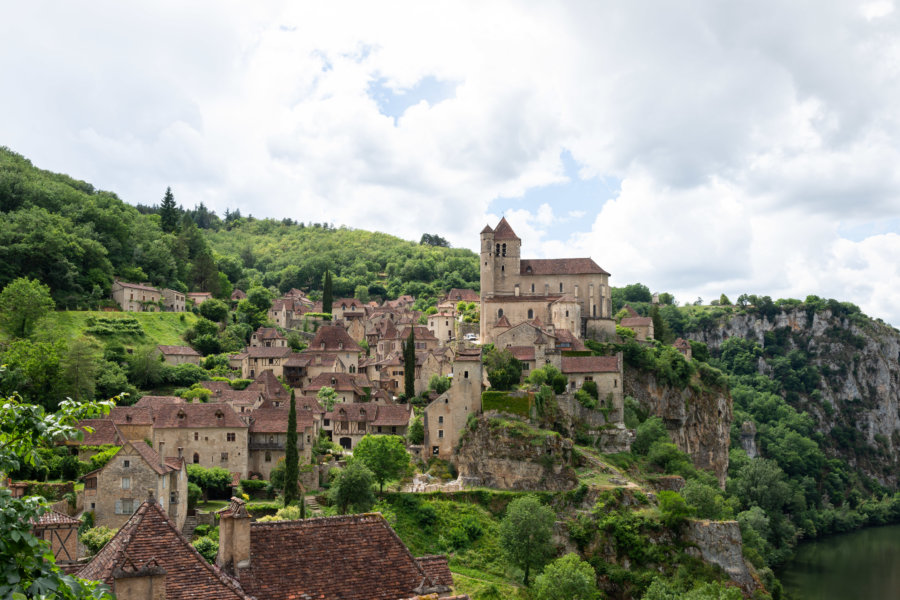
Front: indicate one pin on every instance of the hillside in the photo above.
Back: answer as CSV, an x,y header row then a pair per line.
x,y
157,328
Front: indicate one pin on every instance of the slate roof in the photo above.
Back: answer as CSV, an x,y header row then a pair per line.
x,y
105,433
354,557
590,364
149,535
197,416
275,420
560,266
178,350
503,231
335,338
393,415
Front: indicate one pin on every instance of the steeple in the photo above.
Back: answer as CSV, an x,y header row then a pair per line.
x,y
504,231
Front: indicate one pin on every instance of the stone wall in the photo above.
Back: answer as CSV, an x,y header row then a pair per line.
x,y
719,543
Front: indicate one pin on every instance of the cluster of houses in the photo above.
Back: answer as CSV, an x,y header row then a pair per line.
x,y
143,297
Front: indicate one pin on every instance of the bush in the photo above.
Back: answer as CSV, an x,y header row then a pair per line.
x,y
96,537
674,509
214,482
207,547
650,431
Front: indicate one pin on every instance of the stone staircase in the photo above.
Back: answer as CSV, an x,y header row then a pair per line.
x,y
312,507
187,530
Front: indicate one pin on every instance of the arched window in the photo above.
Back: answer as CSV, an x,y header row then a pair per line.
x,y
498,250
567,313
196,458
560,287
503,268
499,312
532,285
504,250
530,313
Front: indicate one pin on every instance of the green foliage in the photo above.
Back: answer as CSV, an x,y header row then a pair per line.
x,y
674,509
706,501
438,384
352,488
384,455
207,547
291,456
214,310
96,537
22,302
409,364
214,481
506,402
567,578
503,369
327,293
194,494
650,431
286,513
416,433
327,396
100,459
550,375
526,534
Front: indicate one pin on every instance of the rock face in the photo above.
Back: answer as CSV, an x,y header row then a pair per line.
x,y
698,423
858,395
748,438
719,542
509,454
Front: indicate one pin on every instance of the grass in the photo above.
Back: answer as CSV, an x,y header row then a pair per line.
x,y
159,327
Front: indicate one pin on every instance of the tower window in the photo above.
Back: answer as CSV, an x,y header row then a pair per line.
x,y
499,312
532,285
504,250
498,249
530,313
560,287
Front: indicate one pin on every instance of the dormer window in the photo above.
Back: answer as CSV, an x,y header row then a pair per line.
x,y
219,414
181,414
322,346
128,418
340,345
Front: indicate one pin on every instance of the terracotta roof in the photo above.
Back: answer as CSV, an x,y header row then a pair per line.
x,y
565,338
199,294
559,266
52,517
309,404
138,286
522,352
268,351
463,294
682,343
105,433
636,322
347,303
421,333
131,415
296,360
335,338
231,396
502,322
197,416
393,415
437,567
631,312
469,355
178,350
151,457
275,420
154,403
268,384
238,294
487,229
340,382
503,231
354,557
149,535
268,333
590,364
354,411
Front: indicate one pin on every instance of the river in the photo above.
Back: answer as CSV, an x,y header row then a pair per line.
x,y
864,564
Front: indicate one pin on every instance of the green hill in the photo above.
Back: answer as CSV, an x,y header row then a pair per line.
x,y
155,328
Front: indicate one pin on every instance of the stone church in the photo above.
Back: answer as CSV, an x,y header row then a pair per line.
x,y
570,294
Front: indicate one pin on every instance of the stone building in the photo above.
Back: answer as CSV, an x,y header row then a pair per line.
x,y
268,438
445,418
642,326
198,298
392,419
442,325
256,360
113,492
605,371
267,337
349,388
567,293
334,341
134,423
136,297
349,422
212,435
173,300
178,355
61,531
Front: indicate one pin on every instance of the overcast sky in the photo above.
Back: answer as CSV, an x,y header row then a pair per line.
x,y
697,147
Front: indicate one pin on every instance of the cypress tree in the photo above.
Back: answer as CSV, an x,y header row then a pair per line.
x,y
291,458
327,299
168,212
409,365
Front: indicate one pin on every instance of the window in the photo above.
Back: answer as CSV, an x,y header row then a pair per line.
x,y
393,429
126,463
567,313
126,483
503,268
465,374
93,505
560,286
90,484
503,251
435,450
532,285
327,422
173,497
196,436
268,457
498,250
440,433
230,437
196,458
499,312
441,420
124,506
530,313
224,457
379,429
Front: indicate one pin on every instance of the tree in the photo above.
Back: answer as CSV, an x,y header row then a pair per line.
x,y
327,298
429,239
27,567
673,508
526,533
361,293
22,302
384,455
291,458
409,365
168,212
567,578
79,368
214,310
438,384
503,369
215,480
416,433
648,432
327,396
352,488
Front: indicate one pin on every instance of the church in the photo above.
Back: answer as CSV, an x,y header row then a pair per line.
x,y
570,294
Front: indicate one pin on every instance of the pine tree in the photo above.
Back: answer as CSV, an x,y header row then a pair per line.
x,y
168,212
327,299
291,458
409,365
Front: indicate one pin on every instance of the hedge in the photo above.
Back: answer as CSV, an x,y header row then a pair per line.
x,y
505,402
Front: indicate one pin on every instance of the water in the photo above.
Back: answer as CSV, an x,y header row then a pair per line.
x,y
864,564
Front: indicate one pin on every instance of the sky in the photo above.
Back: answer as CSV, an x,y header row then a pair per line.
x,y
698,147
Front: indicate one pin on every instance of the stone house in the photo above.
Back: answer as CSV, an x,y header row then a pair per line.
x,y
512,286
258,359
457,295
136,297
267,337
149,559
212,435
61,532
173,300
177,355
268,438
113,491
334,340
443,326
273,393
237,295
198,297
683,346
349,388
347,308
605,371
132,422
445,418
241,401
392,419
349,422
642,326
287,311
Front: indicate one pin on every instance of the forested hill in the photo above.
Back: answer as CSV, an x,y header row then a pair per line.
x,y
76,239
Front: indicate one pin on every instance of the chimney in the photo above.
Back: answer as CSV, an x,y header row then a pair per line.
x,y
162,455
234,537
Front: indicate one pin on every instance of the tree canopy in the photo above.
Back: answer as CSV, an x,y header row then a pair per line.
x,y
526,533
22,302
384,455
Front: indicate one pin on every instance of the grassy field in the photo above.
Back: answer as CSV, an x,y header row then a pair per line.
x,y
158,327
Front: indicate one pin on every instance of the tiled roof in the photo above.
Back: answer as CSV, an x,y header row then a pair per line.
x,y
52,517
268,333
138,286
216,386
268,351
178,350
199,294
354,411
131,415
150,535
502,322
421,333
355,557
636,322
590,364
105,433
469,355
275,420
393,415
154,402
151,457
437,567
197,416
487,229
682,343
566,338
230,396
335,338
238,294
464,295
631,312
560,266
341,382
522,352
296,360
268,384
503,231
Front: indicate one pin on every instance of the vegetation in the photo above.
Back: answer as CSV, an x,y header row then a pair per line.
x,y
503,369
291,456
567,578
525,534
409,364
352,488
384,455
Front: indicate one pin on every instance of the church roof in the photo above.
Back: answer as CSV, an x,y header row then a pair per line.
x,y
504,231
560,266
487,229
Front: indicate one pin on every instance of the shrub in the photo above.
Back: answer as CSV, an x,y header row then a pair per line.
x,y
650,431
96,537
207,547
674,509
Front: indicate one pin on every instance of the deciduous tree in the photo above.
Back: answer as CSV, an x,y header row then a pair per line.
x,y
22,303
526,533
384,455
567,578
352,488
291,458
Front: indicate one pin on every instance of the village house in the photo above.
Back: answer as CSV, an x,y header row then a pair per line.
x,y
257,359
132,422
568,293
286,311
241,401
442,325
684,347
177,355
212,435
198,298
457,295
446,416
392,419
136,297
349,422
173,300
334,341
268,438
113,492
642,326
61,532
605,371
268,337
273,393
347,308
238,295
349,388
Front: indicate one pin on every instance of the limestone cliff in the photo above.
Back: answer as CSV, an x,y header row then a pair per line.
x,y
698,422
509,454
719,543
856,402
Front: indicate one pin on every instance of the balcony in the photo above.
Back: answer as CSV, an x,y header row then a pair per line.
x,y
267,445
